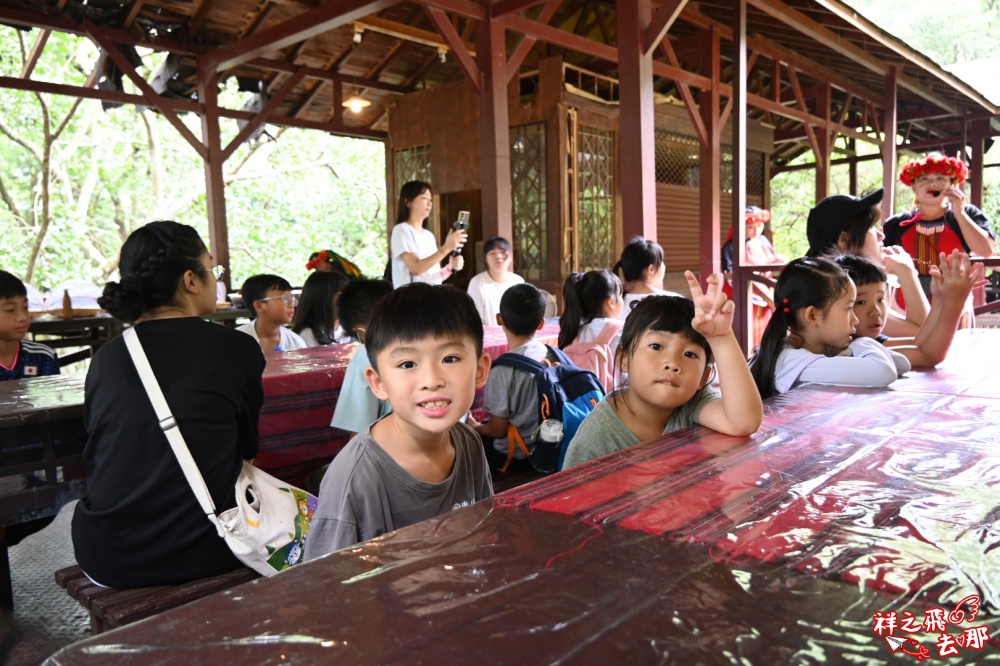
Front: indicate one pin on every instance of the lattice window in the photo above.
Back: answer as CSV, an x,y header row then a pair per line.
x,y
413,164
527,184
596,198
678,157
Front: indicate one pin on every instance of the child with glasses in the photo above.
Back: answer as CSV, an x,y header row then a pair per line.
x,y
272,305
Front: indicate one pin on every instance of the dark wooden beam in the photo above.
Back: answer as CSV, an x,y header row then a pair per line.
x,y
660,24
304,26
710,161
503,7
889,147
494,132
262,116
328,75
111,49
527,42
439,19
636,120
558,37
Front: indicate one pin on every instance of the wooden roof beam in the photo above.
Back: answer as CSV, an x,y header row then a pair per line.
x,y
18,18
466,59
911,56
799,21
328,75
662,20
502,7
528,42
308,24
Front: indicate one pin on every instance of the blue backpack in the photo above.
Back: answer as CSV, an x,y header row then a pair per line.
x,y
566,393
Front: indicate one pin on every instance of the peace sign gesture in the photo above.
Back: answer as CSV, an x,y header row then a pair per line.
x,y
713,312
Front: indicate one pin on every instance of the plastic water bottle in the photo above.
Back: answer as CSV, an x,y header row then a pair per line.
x,y
551,431
545,456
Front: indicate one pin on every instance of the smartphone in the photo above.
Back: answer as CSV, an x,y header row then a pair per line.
x,y
462,222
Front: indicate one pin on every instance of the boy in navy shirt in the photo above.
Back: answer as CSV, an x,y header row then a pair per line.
x,y
18,357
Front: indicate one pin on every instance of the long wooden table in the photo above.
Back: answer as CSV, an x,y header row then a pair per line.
x,y
41,430
796,545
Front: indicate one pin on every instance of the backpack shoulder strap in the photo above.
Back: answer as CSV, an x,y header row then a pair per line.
x,y
559,355
610,330
519,362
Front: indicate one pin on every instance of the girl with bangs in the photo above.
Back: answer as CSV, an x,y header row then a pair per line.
x,y
669,348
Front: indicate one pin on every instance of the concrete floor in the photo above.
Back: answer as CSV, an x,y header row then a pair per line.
x,y
45,618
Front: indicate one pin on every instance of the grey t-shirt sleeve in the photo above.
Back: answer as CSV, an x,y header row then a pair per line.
x,y
600,434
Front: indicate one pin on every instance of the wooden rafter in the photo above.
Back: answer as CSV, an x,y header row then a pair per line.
x,y
662,20
264,114
314,22
527,42
440,21
512,6
113,52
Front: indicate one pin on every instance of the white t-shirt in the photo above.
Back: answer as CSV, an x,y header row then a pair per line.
x,y
416,241
289,339
631,298
869,365
486,294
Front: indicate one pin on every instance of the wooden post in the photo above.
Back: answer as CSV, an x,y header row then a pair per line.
x,y
710,166
635,121
215,187
980,130
824,143
494,131
742,286
889,126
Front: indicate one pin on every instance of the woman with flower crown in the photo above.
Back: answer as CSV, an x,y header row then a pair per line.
x,y
941,220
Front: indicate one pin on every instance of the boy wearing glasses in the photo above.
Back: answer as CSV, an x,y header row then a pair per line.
x,y
272,305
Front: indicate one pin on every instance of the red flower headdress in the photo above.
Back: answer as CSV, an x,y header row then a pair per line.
x,y
952,167
759,216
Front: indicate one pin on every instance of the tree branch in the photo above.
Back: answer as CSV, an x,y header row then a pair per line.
x,y
11,204
35,151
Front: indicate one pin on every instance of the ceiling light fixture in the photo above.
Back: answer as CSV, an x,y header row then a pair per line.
x,y
355,104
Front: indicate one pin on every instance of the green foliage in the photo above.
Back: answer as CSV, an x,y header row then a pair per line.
x,y
289,194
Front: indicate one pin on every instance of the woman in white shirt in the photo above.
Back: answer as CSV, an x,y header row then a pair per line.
x,y
413,250
488,287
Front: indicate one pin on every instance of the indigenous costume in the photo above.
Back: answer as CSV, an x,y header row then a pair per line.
x,y
757,251
925,239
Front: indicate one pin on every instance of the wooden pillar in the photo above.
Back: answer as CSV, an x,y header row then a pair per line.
x,y
743,317
215,187
494,131
890,128
824,143
710,166
636,121
980,130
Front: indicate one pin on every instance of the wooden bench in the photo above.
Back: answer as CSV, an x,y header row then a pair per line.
x,y
110,608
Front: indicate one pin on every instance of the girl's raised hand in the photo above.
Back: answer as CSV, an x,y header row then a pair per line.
x,y
713,312
956,276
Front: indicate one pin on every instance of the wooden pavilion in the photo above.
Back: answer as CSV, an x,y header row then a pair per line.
x,y
567,125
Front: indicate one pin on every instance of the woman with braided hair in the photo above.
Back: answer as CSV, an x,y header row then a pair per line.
x,y
139,524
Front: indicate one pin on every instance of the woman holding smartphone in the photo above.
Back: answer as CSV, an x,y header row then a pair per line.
x,y
413,250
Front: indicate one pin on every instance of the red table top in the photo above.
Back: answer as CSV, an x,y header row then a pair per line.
x,y
783,547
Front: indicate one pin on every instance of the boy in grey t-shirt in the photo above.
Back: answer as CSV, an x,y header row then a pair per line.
x,y
511,395
425,344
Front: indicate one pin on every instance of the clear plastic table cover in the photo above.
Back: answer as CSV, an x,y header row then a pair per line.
x,y
857,526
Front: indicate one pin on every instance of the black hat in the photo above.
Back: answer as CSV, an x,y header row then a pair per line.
x,y
830,216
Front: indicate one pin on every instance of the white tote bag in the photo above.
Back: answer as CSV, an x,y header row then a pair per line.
x,y
268,527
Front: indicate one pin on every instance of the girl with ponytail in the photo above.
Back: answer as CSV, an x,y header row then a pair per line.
x,y
641,270
809,337
589,327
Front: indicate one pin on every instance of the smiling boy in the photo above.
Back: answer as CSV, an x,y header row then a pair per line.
x,y
20,358
425,344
